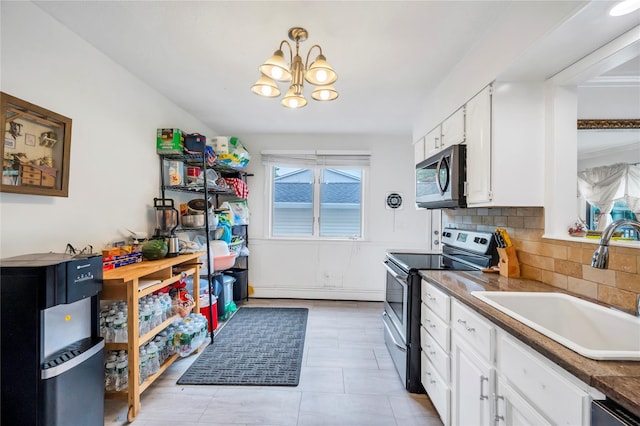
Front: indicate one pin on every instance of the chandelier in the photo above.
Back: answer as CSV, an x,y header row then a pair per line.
x,y
319,74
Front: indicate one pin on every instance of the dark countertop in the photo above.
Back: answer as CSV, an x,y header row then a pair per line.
x,y
619,380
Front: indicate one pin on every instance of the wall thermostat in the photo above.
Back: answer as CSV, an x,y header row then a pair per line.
x,y
394,201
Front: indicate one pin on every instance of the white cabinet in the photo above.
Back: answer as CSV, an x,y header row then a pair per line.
x,y
505,146
473,372
471,387
432,142
418,151
479,148
453,129
496,378
512,409
435,344
553,393
450,132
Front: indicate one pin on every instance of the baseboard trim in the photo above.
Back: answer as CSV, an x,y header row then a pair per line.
x,y
320,294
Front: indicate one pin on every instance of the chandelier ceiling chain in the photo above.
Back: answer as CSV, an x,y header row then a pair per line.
x,y
319,73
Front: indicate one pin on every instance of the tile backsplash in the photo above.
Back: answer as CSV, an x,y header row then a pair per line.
x,y
562,264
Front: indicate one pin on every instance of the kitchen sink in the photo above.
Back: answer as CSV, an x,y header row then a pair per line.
x,y
592,330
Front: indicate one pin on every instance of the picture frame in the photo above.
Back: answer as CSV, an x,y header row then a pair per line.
x,y
37,148
29,139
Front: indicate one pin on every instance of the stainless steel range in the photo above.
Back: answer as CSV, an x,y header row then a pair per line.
x,y
461,251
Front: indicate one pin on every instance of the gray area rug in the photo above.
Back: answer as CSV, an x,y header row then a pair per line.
x,y
257,346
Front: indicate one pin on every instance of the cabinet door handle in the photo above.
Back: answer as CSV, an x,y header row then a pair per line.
x,y
498,418
482,380
461,321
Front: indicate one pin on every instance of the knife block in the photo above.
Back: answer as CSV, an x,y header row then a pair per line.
x,y
509,266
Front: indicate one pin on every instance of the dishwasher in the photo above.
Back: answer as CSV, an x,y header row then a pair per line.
x,y
608,413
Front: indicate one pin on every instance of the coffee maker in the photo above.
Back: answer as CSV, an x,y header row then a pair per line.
x,y
166,224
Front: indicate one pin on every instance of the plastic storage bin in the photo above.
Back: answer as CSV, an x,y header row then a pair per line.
x,y
223,289
241,286
227,285
212,324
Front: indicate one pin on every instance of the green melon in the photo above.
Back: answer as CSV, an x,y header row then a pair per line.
x,y
154,250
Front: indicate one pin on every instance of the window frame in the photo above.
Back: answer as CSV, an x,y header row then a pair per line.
x,y
316,204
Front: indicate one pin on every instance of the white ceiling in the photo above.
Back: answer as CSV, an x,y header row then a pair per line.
x,y
389,55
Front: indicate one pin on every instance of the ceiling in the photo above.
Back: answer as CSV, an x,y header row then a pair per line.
x,y
389,55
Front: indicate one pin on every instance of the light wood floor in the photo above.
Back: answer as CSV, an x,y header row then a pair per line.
x,y
347,379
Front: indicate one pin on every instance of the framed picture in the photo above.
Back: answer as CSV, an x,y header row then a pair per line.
x,y
29,139
37,148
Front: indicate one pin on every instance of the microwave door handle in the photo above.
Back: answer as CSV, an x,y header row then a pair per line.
x,y
443,160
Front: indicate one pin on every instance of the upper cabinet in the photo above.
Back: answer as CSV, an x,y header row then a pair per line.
x,y
450,132
418,150
505,146
432,142
453,129
479,148
503,128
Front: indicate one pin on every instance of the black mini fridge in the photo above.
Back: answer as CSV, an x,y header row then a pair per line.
x,y
51,360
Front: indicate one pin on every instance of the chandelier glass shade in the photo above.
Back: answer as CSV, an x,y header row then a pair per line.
x,y
319,73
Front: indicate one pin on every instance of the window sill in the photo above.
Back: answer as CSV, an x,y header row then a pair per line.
x,y
594,241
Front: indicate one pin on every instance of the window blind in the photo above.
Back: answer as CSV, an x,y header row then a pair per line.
x,y
309,158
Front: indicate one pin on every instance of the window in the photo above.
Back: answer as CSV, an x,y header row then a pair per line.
x,y
316,195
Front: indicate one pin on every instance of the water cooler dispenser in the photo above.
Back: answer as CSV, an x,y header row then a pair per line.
x,y
51,362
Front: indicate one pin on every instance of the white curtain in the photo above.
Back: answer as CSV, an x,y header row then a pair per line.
x,y
603,186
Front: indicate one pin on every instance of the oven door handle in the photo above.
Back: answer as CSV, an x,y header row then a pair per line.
x,y
398,277
384,315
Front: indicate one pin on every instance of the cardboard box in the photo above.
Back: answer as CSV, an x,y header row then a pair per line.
x,y
169,141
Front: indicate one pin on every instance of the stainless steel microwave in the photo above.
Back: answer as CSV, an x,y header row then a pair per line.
x,y
440,179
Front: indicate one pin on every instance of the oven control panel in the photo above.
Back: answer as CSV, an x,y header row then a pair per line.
x,y
474,241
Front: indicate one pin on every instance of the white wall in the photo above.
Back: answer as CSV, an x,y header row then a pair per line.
x,y
335,269
493,54
114,166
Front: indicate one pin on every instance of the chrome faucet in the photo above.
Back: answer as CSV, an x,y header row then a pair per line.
x,y
600,257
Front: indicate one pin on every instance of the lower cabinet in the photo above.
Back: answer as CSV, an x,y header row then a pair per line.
x,y
435,346
473,370
437,388
512,409
553,393
497,379
473,380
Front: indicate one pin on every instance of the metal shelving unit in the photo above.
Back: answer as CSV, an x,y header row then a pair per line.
x,y
223,170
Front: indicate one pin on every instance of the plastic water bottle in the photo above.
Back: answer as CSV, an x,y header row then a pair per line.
x,y
122,376
142,366
169,341
109,338
185,341
177,336
146,319
110,376
162,350
103,324
166,306
153,362
120,334
157,313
